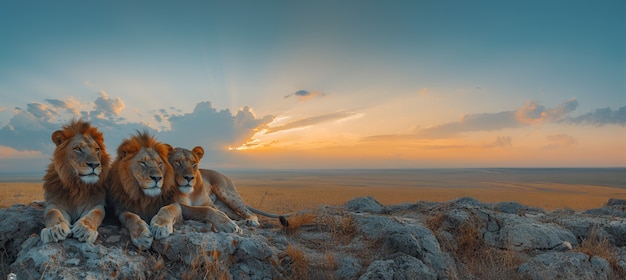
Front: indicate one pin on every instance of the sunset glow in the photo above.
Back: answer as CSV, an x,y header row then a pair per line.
x,y
348,84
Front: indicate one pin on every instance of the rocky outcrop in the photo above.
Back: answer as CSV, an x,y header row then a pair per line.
x,y
460,239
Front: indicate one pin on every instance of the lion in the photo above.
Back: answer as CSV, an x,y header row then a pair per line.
x,y
205,187
73,184
141,189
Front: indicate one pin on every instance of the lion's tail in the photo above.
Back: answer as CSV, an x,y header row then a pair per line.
x,y
281,218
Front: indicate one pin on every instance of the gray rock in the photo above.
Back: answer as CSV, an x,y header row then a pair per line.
x,y
347,268
379,270
17,224
509,207
409,237
363,240
533,236
569,265
617,230
616,202
400,267
365,204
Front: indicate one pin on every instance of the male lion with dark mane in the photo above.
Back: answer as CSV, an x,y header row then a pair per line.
x,y
73,188
141,189
209,188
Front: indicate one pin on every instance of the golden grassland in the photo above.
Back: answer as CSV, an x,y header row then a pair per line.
x,y
284,199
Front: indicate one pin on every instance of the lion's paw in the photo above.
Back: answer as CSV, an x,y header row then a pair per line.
x,y
252,221
55,233
228,227
84,232
160,231
142,238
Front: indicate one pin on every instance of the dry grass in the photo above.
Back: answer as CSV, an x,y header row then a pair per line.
x,y
546,196
295,262
598,245
207,265
287,199
19,193
472,255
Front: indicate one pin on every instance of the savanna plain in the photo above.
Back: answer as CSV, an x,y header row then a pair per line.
x,y
285,191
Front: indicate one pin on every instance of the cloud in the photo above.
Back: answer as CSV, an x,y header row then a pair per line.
x,y
560,141
529,114
11,153
107,107
71,105
533,112
304,95
600,117
501,142
214,129
30,129
311,121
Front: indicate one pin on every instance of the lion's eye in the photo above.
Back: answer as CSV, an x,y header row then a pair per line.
x,y
178,163
160,164
194,164
143,163
78,150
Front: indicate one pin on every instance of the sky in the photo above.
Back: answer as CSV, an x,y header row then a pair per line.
x,y
321,84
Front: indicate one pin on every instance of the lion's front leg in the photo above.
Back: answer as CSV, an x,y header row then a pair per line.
x,y
220,221
86,228
162,224
230,197
57,226
138,229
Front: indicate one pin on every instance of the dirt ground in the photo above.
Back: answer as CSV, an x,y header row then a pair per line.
x,y
283,199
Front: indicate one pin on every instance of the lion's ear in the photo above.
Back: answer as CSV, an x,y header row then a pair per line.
x,y
169,148
58,137
199,151
125,149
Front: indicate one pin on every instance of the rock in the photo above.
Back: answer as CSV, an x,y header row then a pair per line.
x,y
347,268
568,265
616,202
509,207
401,267
361,240
17,224
406,236
617,230
365,204
533,236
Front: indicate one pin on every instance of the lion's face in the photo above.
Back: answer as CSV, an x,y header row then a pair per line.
x,y
185,164
80,153
145,163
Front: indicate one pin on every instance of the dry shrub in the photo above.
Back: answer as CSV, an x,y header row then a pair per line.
x,y
600,246
342,227
474,258
207,265
297,221
295,263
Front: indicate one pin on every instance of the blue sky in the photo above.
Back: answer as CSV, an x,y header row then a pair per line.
x,y
322,83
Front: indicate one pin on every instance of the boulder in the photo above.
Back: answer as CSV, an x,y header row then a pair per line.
x,y
567,265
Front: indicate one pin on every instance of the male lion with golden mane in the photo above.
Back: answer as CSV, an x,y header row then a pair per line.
x,y
73,188
204,187
141,189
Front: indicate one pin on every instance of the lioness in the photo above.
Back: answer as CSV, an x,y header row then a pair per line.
x,y
73,191
141,189
204,187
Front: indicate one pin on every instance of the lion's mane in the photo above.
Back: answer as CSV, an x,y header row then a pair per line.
x,y
124,192
62,185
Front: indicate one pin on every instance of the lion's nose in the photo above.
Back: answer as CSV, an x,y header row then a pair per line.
x,y
156,178
93,165
189,178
